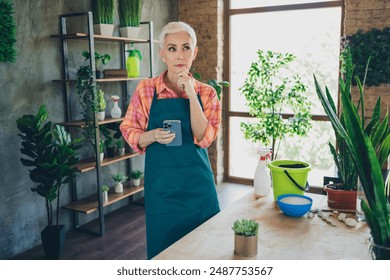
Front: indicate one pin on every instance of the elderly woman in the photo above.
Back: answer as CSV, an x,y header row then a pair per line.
x,y
179,183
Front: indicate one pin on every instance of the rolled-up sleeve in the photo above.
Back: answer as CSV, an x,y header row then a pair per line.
x,y
135,121
212,111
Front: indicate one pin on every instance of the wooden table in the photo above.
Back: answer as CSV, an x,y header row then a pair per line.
x,y
280,237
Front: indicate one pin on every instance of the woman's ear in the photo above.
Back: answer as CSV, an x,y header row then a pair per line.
x,y
161,55
195,53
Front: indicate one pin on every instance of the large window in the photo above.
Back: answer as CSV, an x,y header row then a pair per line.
x,y
310,30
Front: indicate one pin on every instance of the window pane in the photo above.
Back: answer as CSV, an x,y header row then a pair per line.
x,y
311,35
313,149
237,4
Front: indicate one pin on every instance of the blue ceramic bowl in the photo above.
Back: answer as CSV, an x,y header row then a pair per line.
x,y
294,205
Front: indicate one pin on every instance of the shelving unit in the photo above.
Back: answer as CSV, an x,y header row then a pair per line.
x,y
94,202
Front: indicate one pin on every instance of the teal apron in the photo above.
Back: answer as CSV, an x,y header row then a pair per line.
x,y
179,184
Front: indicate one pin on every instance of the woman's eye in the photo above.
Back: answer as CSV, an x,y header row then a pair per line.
x,y
187,48
171,49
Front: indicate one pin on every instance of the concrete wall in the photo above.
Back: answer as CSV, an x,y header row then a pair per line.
x,y
24,86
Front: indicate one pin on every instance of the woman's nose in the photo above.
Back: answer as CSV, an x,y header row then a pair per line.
x,y
180,56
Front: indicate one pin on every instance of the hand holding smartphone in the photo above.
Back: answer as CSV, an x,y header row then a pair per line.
x,y
175,127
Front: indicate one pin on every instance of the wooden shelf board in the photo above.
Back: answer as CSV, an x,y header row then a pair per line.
x,y
90,164
81,123
90,204
80,35
105,80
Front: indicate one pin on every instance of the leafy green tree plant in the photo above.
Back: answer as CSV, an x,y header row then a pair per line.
x,y
271,89
51,155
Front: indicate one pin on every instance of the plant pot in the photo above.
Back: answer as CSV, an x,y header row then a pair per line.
x,y
101,157
112,152
245,246
121,151
340,199
53,241
101,115
136,182
103,29
129,32
105,197
378,252
118,188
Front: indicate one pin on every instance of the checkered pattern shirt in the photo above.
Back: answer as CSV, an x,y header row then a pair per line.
x,y
137,115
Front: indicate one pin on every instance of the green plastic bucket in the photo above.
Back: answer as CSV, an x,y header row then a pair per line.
x,y
289,176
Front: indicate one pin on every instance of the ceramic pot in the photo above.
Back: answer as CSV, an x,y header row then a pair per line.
x,y
136,182
129,32
103,29
121,151
118,188
53,241
101,115
340,199
245,246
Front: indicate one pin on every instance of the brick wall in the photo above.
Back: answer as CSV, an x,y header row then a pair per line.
x,y
366,15
206,17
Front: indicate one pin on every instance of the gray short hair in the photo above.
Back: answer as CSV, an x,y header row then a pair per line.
x,y
177,26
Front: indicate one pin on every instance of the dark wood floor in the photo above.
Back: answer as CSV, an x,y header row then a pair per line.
x,y
124,239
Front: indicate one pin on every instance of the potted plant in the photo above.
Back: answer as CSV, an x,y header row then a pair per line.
x,y
51,155
129,17
369,151
103,17
217,85
136,176
101,105
268,93
105,190
103,58
119,178
245,237
121,147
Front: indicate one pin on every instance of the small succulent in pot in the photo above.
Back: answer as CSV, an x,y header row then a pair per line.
x,y
245,227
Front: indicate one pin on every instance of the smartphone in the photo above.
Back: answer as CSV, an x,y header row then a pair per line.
x,y
175,127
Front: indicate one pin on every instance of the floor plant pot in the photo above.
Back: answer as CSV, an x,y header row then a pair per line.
x,y
340,199
53,241
245,246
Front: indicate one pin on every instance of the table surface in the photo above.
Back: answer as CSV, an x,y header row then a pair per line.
x,y
280,237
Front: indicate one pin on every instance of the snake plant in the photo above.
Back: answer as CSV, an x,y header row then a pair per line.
x,y
369,146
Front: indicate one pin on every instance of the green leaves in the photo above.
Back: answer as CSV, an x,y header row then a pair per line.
x,y
129,12
7,32
245,227
271,89
103,11
50,154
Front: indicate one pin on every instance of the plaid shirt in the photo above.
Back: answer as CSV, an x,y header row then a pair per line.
x,y
137,115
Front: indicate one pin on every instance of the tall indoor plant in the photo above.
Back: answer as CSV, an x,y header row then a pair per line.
x,y
51,155
129,17
268,94
103,17
369,150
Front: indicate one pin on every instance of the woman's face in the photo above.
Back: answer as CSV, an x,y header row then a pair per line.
x,y
178,52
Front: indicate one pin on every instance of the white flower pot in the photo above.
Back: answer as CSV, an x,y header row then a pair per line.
x,y
101,115
103,29
118,188
136,182
101,157
129,32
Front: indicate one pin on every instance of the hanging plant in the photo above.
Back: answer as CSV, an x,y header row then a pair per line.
x,y
374,44
7,32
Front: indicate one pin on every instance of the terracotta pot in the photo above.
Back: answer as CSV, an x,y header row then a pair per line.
x,y
340,199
